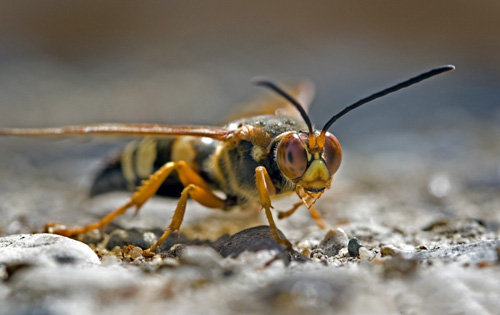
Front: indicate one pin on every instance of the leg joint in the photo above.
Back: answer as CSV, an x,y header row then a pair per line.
x,y
180,164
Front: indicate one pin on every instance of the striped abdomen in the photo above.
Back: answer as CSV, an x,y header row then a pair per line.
x,y
141,158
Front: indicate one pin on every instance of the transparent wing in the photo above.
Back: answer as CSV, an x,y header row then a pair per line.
x,y
274,104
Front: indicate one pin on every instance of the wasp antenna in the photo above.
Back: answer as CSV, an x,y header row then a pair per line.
x,y
260,81
394,88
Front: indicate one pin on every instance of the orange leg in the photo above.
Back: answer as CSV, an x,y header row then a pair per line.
x,y
266,188
307,202
311,200
196,187
317,217
286,214
202,196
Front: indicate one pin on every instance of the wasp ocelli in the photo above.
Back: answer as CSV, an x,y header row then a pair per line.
x,y
268,150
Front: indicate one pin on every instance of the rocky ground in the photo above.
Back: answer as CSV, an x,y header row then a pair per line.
x,y
413,214
406,235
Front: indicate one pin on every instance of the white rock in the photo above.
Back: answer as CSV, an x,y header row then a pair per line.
x,y
45,250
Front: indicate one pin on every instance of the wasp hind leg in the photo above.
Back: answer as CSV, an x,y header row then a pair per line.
x,y
195,187
266,188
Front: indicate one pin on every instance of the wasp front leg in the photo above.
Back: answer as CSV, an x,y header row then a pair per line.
x,y
195,187
312,210
266,188
286,214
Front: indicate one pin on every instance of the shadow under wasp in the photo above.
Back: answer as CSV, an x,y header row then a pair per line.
x,y
268,150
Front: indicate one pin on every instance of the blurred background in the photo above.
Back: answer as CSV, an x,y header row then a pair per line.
x,y
180,62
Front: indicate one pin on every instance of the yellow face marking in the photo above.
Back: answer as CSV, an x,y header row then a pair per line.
x,y
316,175
145,157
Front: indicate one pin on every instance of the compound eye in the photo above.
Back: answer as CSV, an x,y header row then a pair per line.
x,y
291,156
333,153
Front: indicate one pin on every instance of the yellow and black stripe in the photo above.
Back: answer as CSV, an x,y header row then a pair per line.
x,y
141,158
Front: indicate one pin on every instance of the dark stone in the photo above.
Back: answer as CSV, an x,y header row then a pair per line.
x,y
254,239
353,247
333,242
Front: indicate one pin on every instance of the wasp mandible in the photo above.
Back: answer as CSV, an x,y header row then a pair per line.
x,y
269,150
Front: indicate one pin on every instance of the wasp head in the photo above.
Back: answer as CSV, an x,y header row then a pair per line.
x,y
310,158
309,162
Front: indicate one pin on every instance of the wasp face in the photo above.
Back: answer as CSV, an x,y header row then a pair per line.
x,y
307,162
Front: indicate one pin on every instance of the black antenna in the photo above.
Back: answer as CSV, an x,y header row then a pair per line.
x,y
267,83
399,86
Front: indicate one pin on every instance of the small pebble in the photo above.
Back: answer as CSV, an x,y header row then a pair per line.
x,y
343,252
365,254
135,252
353,247
334,241
389,250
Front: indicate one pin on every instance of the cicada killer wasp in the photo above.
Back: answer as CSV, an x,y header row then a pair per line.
x,y
269,150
